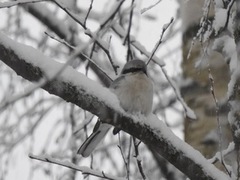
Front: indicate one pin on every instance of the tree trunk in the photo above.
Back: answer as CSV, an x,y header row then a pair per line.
x,y
203,133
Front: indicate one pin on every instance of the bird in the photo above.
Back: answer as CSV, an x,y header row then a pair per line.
x,y
134,90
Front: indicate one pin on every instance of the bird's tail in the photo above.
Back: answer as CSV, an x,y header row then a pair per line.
x,y
93,140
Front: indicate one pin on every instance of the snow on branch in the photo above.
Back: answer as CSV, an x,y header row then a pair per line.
x,y
76,88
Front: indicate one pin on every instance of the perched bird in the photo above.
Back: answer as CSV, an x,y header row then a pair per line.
x,y
134,90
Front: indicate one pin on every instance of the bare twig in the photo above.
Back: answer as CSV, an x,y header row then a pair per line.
x,y
211,79
85,170
238,164
150,7
165,27
123,157
121,33
104,48
129,152
189,112
112,13
128,37
62,41
88,12
72,47
81,126
88,32
15,3
118,29
24,135
225,152
139,162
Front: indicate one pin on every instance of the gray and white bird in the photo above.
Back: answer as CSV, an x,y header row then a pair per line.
x,y
134,90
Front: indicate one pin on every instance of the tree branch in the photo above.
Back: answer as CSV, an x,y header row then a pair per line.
x,y
74,87
83,169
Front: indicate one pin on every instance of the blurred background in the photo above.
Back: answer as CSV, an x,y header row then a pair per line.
x,y
41,123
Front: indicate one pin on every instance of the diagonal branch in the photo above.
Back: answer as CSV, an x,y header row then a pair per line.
x,y
74,87
85,170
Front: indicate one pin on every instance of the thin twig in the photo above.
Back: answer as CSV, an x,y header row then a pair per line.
x,y
188,111
71,14
123,157
89,10
238,163
88,32
23,136
165,27
225,152
150,7
129,153
139,162
211,79
128,37
104,48
112,14
15,3
62,41
88,58
121,33
85,170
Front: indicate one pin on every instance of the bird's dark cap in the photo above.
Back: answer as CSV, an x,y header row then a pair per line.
x,y
134,66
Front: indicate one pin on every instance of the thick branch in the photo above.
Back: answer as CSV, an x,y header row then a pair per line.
x,y
85,93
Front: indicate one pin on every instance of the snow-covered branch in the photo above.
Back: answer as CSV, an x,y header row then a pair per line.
x,y
76,88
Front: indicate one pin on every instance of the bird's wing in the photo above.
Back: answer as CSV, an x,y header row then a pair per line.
x,y
116,82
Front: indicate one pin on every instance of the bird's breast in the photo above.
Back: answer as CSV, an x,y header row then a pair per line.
x,y
135,93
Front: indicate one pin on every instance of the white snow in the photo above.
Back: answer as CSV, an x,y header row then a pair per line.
x,y
220,19
163,131
234,77
235,106
51,68
226,45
